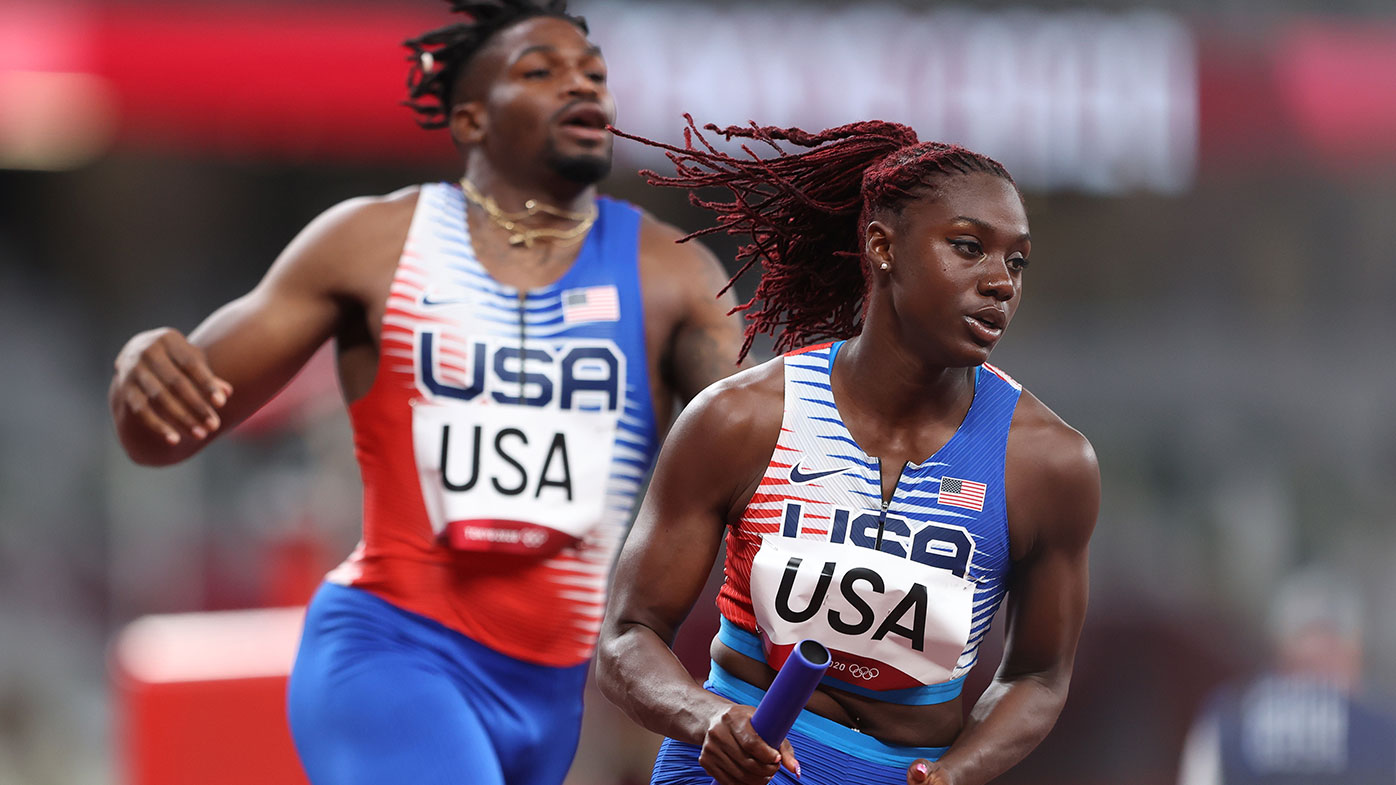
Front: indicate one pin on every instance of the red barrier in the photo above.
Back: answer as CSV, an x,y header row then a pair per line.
x,y
201,697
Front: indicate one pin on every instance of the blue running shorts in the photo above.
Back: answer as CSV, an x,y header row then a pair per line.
x,y
379,696
829,753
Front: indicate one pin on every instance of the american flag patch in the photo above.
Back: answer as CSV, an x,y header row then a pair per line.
x,y
591,304
962,493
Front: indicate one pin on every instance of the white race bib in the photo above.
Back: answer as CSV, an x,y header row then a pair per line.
x,y
890,622
511,478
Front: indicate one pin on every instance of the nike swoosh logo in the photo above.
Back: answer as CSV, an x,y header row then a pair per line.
x,y
436,294
428,302
798,476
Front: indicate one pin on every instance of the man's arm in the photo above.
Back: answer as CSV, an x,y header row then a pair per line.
x,y
1053,498
170,394
705,338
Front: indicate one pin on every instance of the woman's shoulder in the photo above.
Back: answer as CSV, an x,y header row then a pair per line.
x,y
734,406
1051,475
1041,435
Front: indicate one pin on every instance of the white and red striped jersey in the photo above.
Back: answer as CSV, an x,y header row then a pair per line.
x,y
505,437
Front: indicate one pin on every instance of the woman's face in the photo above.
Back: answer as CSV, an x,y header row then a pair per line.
x,y
956,258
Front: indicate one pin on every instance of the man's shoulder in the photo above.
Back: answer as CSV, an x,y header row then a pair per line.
x,y
680,277
366,223
668,249
350,242
366,213
654,229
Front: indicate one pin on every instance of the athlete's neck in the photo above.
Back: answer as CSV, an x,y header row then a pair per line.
x,y
513,194
906,387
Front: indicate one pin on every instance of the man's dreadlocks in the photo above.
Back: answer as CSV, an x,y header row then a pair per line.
x,y
439,57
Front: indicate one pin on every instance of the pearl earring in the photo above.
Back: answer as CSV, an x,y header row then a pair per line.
x,y
886,266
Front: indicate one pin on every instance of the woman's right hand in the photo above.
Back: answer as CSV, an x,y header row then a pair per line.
x,y
734,754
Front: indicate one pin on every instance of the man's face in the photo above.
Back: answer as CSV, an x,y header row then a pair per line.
x,y
540,87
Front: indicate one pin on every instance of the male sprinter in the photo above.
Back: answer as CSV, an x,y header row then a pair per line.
x,y
509,348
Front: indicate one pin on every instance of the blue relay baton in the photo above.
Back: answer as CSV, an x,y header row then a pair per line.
x,y
794,684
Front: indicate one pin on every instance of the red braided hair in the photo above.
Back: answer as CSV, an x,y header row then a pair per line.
x,y
804,213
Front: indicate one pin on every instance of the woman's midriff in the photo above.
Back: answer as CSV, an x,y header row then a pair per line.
x,y
891,723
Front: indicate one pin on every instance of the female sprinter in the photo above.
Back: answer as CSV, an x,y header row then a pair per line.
x,y
883,492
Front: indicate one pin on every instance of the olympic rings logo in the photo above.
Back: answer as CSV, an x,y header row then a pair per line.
x,y
862,672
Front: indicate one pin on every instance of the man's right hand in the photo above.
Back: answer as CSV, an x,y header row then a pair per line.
x,y
163,384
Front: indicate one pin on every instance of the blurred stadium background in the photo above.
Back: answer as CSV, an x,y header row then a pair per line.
x,y
1211,189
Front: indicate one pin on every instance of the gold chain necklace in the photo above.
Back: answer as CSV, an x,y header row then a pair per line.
x,y
521,235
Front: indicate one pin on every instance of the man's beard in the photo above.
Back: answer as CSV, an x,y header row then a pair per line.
x,y
583,169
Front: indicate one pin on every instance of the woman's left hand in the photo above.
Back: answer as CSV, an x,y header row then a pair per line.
x,y
923,772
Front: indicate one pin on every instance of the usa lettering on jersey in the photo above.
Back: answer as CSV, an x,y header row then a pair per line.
x,y
569,375
934,544
500,433
895,608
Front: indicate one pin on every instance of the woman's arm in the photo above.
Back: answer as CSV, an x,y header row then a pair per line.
x,y
710,464
1053,498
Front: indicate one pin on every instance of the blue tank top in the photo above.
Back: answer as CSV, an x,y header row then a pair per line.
x,y
903,593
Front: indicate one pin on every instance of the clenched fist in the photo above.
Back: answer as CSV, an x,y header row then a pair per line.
x,y
734,754
163,385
